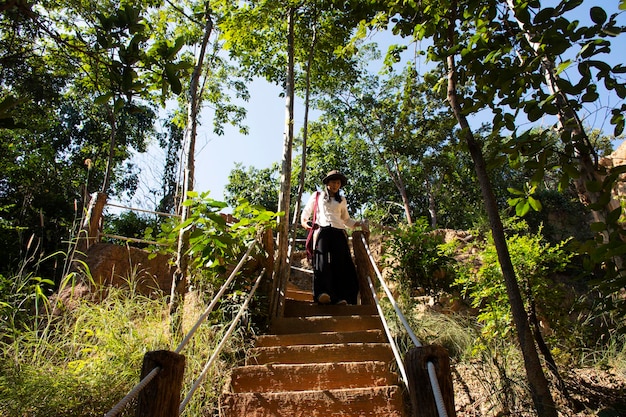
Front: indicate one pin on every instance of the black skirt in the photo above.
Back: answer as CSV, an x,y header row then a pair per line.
x,y
334,270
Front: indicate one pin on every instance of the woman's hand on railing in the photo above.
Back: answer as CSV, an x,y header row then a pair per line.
x,y
365,227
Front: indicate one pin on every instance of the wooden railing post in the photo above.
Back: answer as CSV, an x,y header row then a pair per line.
x,y
268,244
90,228
161,397
364,267
421,393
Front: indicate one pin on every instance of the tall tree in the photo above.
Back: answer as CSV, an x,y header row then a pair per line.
x,y
394,124
257,186
57,125
272,39
179,279
119,60
542,398
476,43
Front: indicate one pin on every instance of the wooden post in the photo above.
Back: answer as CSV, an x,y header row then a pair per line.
x,y
268,245
90,229
363,268
421,393
161,397
268,262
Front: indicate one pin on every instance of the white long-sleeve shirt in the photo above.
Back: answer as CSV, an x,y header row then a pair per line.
x,y
330,213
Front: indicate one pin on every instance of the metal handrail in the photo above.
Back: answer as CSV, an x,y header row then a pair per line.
x,y
133,393
215,300
221,345
394,346
150,376
434,383
160,213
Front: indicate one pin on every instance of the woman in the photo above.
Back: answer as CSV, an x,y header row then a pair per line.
x,y
335,280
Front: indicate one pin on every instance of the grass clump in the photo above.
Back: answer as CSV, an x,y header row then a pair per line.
x,y
83,362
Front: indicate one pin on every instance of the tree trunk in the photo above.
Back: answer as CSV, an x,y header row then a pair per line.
x,y
179,279
393,172
542,398
107,173
296,210
281,273
432,210
569,121
397,179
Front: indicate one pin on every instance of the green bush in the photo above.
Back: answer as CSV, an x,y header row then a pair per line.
x,y
419,259
536,265
85,362
213,243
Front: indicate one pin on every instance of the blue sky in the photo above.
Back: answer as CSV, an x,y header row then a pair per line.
x,y
216,155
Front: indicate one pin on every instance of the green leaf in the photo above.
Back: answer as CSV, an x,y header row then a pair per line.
x,y
594,186
590,97
535,204
598,227
534,113
544,15
514,201
515,191
602,201
184,224
572,4
571,170
563,66
172,77
614,216
598,15
618,170
103,99
522,208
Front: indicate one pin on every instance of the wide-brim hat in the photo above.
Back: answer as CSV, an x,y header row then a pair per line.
x,y
335,175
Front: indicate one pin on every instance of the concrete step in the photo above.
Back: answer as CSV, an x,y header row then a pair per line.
x,y
347,352
299,295
298,308
323,338
292,292
307,377
317,324
376,401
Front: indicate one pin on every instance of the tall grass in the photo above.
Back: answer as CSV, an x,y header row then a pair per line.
x,y
81,363
83,358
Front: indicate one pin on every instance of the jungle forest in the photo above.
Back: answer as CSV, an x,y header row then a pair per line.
x,y
482,140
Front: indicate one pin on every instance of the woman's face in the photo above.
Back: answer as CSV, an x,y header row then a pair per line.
x,y
334,186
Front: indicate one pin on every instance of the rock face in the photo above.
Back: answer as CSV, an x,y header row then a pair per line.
x,y
106,265
615,159
126,267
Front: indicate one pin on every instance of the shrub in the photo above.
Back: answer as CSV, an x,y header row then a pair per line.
x,y
536,263
418,258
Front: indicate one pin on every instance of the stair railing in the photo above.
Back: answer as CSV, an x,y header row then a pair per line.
x,y
439,401
149,380
221,345
392,342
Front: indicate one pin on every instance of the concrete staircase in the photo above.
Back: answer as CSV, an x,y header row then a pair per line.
x,y
318,361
